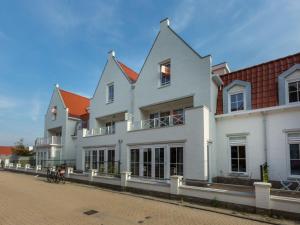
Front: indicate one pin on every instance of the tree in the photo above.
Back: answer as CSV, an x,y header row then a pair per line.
x,y
20,149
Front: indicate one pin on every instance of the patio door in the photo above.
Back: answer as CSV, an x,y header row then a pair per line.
x,y
159,163
147,163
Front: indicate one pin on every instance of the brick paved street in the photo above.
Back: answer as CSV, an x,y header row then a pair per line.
x,y
30,200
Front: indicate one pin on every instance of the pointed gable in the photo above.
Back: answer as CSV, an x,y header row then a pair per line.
x,y
76,104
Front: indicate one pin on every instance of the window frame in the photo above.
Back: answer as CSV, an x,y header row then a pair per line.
x,y
177,163
288,142
164,84
108,97
229,100
240,140
135,163
287,93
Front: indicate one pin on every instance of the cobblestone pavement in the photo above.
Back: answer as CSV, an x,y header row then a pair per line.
x,y
30,200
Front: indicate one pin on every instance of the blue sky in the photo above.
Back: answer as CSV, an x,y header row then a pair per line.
x,y
62,41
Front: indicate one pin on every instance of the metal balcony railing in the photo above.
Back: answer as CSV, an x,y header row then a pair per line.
x,y
53,140
167,121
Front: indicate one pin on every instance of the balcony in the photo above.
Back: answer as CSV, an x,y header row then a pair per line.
x,y
53,140
167,121
99,131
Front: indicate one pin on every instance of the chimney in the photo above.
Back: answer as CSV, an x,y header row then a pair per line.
x,y
111,54
164,23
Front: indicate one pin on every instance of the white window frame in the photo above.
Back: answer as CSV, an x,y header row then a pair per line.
x,y
229,100
288,142
241,142
108,99
168,61
287,96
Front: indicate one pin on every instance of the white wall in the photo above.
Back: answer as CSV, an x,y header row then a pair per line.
x,y
190,74
122,93
276,122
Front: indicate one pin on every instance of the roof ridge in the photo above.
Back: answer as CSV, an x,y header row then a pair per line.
x,y
74,94
260,64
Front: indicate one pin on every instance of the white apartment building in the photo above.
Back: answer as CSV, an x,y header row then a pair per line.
x,y
181,116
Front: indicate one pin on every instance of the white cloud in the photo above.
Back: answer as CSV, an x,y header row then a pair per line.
x,y
184,13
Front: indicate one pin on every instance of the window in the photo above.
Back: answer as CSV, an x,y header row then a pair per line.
x,y
295,158
164,119
101,161
54,112
110,93
110,128
294,91
135,162
178,117
238,158
94,159
159,163
176,161
147,162
236,102
87,160
165,74
111,161
154,121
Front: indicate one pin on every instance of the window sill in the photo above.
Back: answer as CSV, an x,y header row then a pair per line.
x,y
109,102
239,174
164,85
293,177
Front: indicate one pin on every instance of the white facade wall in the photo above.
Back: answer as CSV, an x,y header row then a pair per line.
x,y
252,126
122,93
190,74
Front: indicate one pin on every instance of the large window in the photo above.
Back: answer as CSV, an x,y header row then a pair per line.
x,y
147,162
165,74
135,162
164,119
159,163
176,161
87,164
111,162
94,159
110,93
238,158
178,117
236,102
295,158
101,161
294,91
154,121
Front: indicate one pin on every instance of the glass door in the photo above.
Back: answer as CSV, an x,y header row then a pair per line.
x,y
159,163
147,163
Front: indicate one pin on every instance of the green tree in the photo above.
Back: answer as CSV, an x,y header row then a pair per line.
x,y
20,149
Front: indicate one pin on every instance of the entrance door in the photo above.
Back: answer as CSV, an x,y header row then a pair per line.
x,y
147,163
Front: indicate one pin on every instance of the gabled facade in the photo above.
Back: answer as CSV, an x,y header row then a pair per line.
x,y
65,114
181,115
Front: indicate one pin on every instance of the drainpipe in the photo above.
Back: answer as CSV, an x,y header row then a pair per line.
x,y
265,136
120,141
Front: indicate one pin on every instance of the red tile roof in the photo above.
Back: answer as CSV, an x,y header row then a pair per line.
x,y
6,150
263,79
132,75
76,104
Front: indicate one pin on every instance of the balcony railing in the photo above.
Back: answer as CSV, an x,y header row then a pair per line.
x,y
100,131
53,140
167,121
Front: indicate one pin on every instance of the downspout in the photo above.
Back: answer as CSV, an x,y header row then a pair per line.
x,y
120,141
265,137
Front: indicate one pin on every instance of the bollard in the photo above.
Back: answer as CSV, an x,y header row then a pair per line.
x,y
93,173
70,170
176,182
125,176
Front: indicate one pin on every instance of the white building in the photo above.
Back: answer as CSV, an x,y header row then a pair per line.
x,y
182,115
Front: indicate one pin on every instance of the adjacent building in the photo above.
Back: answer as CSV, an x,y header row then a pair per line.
x,y
180,115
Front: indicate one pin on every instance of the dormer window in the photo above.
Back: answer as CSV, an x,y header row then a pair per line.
x,y
110,93
165,74
294,91
237,102
237,96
